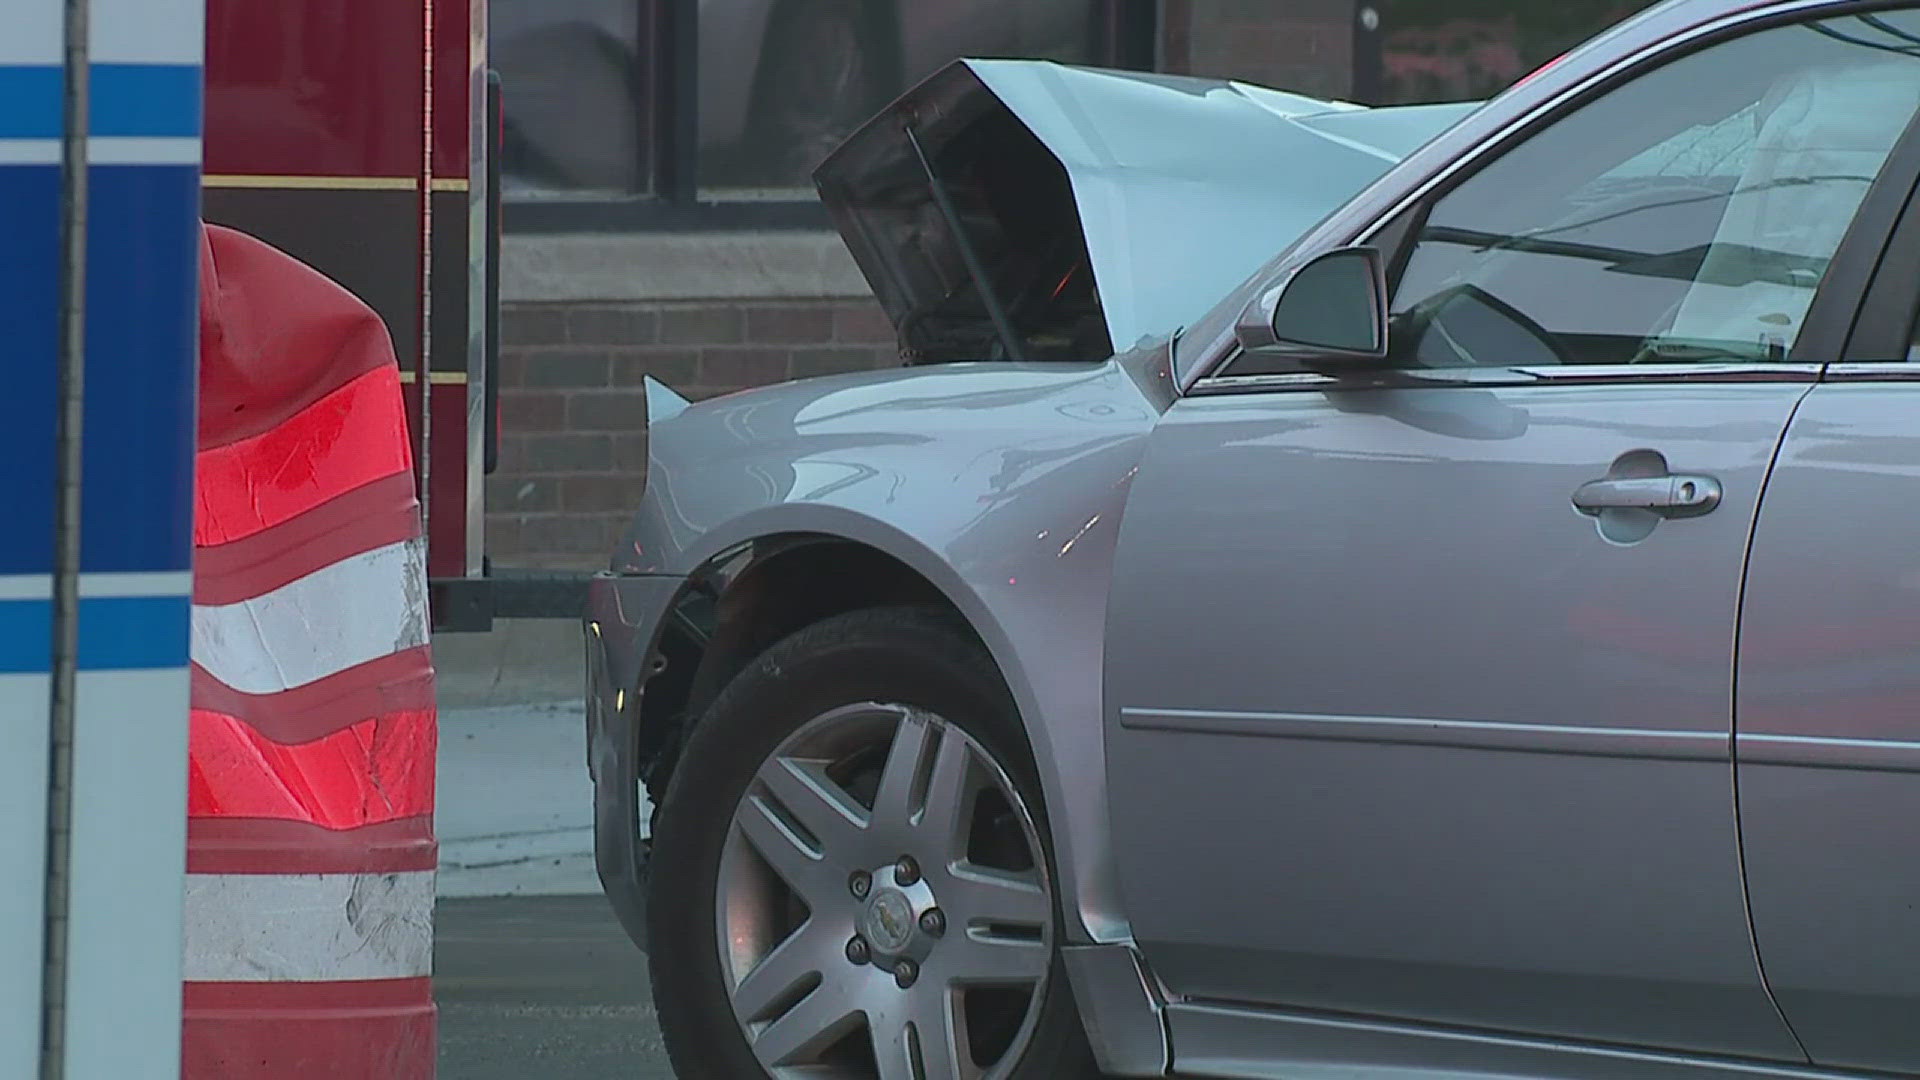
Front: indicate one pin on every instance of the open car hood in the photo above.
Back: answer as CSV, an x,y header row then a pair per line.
x,y
1102,207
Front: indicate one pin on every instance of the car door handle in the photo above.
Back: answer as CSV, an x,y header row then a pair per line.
x,y
1668,496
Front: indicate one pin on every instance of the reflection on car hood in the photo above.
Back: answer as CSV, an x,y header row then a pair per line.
x,y
1182,186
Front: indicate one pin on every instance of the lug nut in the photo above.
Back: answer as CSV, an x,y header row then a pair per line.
x,y
906,872
861,883
857,951
905,975
933,923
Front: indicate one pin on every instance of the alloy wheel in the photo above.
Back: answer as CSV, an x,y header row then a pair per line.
x,y
883,907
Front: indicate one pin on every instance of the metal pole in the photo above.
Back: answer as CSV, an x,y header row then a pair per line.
x,y
66,548
423,362
1369,36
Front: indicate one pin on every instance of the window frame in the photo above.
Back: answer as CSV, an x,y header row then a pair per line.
x,y
1830,323
1130,33
1887,317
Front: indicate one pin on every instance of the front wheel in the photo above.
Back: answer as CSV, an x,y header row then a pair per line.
x,y
851,871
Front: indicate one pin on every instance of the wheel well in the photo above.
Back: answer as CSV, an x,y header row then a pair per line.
x,y
724,620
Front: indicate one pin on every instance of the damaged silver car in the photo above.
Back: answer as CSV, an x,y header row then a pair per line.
x,y
1334,591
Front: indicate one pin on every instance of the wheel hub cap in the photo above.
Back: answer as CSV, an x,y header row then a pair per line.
x,y
890,921
868,918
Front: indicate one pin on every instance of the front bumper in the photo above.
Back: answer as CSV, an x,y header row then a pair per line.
x,y
624,615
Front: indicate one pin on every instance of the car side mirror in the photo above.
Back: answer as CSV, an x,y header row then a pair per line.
x,y
1331,311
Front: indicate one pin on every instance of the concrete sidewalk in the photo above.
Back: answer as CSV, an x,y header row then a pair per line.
x,y
518,662
515,808
514,813
532,973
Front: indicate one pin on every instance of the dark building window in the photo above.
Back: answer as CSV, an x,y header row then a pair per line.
x,y
698,113
577,79
780,86
710,113
1458,50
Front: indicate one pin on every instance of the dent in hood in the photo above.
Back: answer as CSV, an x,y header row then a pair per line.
x,y
1103,207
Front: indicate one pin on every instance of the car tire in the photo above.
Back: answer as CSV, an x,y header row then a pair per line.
x,y
821,75
839,683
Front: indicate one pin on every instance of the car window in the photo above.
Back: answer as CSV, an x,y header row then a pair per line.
x,y
1686,216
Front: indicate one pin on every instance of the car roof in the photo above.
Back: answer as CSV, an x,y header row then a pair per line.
x,y
1674,15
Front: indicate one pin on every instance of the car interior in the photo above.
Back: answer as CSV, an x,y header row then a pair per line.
x,y
1701,233
997,200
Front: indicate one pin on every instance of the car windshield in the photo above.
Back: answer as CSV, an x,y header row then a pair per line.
x,y
1686,216
1717,209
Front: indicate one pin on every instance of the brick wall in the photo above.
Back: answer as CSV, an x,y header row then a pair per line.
x,y
570,378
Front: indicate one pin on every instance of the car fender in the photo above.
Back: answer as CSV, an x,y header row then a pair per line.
x,y
1011,513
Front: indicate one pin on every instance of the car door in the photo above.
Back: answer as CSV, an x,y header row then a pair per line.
x,y
1827,707
1419,679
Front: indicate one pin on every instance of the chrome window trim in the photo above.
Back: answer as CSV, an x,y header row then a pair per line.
x,y
1874,371
1569,375
1517,128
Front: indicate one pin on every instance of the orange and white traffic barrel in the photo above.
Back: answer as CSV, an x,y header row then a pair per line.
x,y
310,850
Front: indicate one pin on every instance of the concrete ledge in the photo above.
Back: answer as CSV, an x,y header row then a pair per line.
x,y
520,662
678,266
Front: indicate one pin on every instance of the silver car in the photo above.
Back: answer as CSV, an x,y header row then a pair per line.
x,y
1317,605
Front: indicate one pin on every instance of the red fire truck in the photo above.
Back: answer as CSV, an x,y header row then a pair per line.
x,y
359,136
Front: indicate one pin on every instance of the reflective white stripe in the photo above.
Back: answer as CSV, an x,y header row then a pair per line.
x,y
142,150
23,865
175,583
40,586
146,31
359,609
129,853
26,586
34,31
29,151
308,927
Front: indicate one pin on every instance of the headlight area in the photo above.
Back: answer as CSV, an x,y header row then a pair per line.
x,y
633,634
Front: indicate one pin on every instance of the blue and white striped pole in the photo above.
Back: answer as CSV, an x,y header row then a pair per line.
x,y
116,862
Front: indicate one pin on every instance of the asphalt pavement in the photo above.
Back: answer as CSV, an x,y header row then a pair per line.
x,y
534,977
542,988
